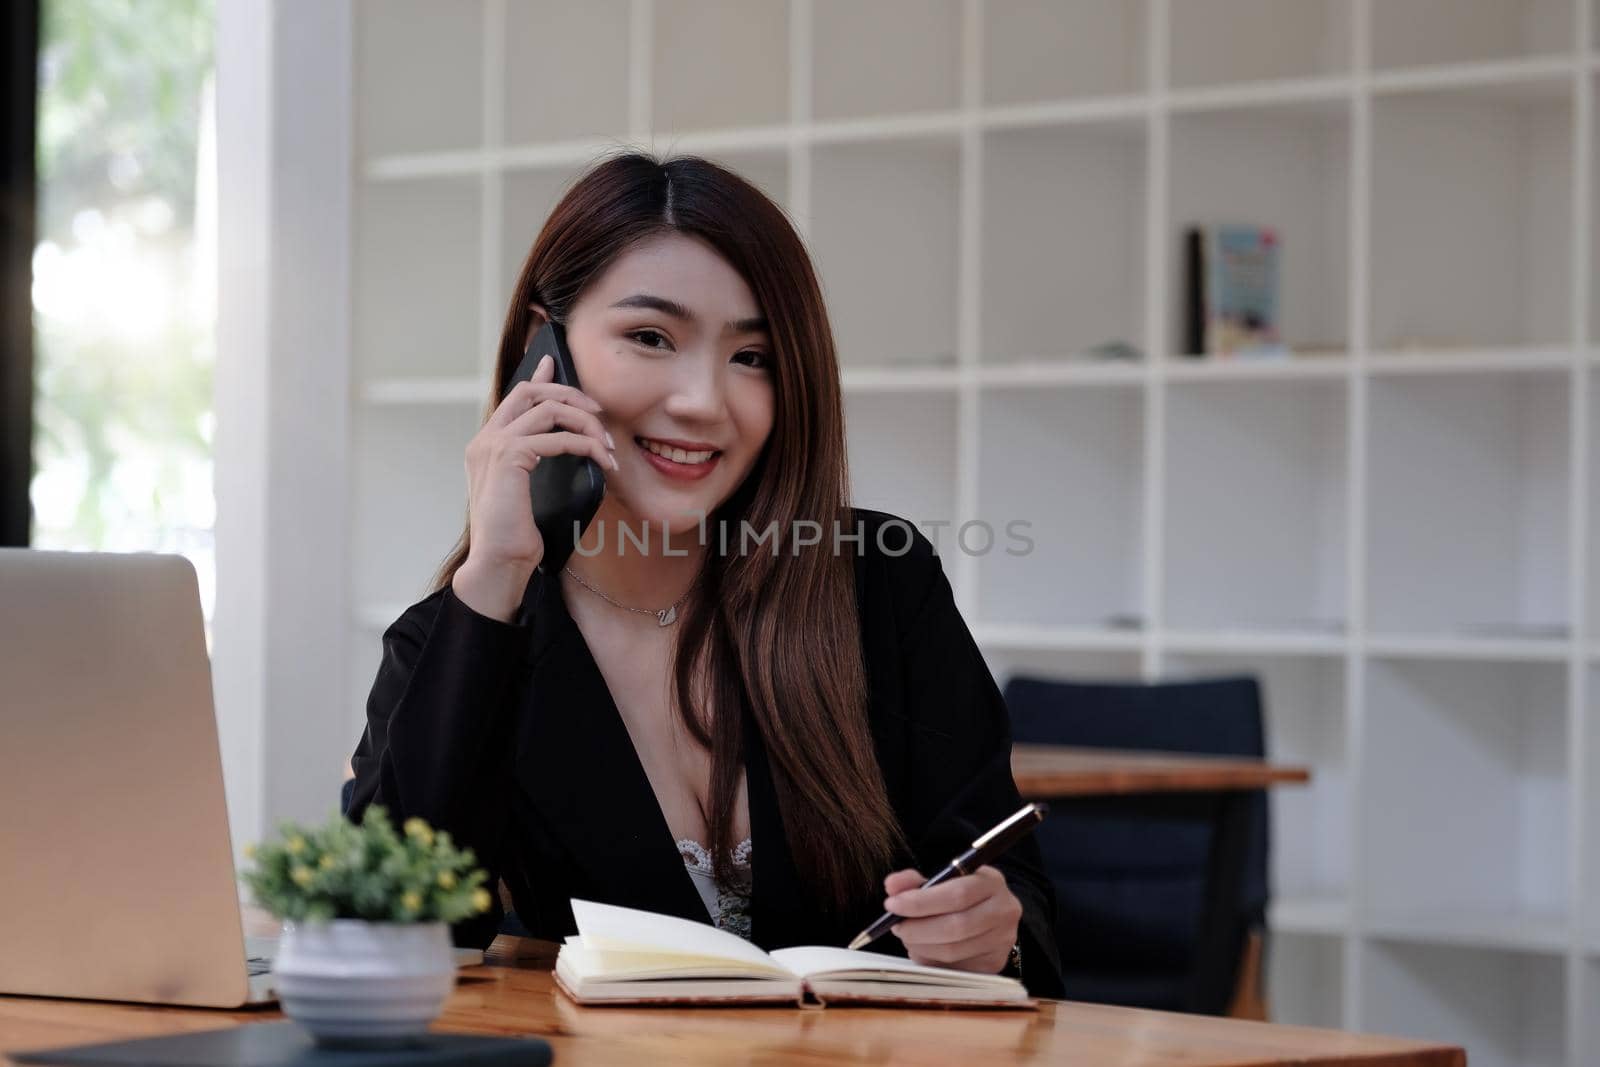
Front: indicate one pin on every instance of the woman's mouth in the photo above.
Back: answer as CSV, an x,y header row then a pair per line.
x,y
675,462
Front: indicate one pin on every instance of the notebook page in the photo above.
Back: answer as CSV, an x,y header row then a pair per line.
x,y
638,966
608,928
811,960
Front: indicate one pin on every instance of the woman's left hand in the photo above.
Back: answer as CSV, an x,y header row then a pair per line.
x,y
968,922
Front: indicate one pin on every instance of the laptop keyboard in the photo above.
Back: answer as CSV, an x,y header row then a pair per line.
x,y
257,965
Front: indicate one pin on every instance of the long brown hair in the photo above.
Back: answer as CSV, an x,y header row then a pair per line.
x,y
776,629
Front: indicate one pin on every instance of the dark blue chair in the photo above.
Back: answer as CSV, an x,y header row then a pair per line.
x,y
1158,895
508,925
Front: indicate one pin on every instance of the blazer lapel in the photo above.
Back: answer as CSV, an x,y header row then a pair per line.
x,y
577,765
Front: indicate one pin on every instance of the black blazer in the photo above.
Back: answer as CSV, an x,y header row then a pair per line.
x,y
506,735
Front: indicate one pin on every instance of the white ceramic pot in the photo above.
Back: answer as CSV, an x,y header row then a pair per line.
x,y
362,984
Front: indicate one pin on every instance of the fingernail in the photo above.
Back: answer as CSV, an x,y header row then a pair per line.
x,y
609,442
542,361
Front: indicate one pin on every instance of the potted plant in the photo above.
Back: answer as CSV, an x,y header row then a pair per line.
x,y
365,957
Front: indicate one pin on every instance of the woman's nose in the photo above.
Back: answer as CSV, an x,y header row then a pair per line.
x,y
697,391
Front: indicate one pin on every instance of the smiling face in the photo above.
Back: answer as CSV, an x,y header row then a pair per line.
x,y
670,341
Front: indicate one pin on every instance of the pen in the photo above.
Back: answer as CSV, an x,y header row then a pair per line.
x,y
984,849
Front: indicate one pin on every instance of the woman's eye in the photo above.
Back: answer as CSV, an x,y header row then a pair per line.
x,y
759,360
648,333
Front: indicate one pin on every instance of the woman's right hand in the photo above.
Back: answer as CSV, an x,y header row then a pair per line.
x,y
537,418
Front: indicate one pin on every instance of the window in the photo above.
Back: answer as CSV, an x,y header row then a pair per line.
x,y
124,302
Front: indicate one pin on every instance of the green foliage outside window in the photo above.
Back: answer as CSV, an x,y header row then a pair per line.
x,y
124,278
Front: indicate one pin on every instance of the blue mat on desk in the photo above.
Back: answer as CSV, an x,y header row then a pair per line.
x,y
287,1044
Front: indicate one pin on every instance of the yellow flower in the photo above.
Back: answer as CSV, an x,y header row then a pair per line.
x,y
411,901
302,875
250,851
327,861
418,829
447,880
481,899
297,845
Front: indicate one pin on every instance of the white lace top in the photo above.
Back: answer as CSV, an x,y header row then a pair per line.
x,y
728,904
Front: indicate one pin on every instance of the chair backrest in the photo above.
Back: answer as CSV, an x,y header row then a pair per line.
x,y
1130,872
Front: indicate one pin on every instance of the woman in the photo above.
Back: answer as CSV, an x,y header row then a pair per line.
x,y
741,700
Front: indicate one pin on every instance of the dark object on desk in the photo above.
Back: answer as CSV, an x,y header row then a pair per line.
x,y
1158,895
286,1044
510,925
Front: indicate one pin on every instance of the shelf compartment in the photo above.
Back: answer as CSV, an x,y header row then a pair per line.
x,y
1471,226
1405,33
1466,801
1069,463
1507,1008
1286,167
1257,509
1304,703
902,452
408,94
883,233
1083,666
1033,637
1308,641
1062,273
1465,928
1305,979
1527,649
885,58
1044,52
417,274
1049,373
1468,476
716,64
410,499
550,47
1294,913
1302,366
1215,42
1513,360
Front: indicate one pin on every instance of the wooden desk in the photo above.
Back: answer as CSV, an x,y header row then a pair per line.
x,y
515,994
1044,772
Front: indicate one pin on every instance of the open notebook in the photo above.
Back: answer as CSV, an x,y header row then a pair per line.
x,y
627,956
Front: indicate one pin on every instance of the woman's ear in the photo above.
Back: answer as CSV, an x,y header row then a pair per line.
x,y
540,317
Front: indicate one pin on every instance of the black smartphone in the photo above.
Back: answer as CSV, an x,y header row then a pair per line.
x,y
566,490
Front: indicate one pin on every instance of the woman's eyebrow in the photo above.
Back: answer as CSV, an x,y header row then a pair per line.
x,y
757,324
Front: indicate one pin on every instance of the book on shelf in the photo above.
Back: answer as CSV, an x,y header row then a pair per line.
x,y
1231,292
627,956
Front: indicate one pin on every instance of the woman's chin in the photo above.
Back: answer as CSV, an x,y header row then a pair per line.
x,y
681,518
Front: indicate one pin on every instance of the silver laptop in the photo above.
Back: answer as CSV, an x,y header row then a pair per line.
x,y
116,866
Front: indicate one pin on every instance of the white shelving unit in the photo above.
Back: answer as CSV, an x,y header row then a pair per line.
x,y
1395,528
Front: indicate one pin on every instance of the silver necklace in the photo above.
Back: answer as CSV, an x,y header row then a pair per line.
x,y
665,617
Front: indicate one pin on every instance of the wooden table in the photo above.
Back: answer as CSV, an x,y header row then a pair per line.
x,y
1045,772
513,993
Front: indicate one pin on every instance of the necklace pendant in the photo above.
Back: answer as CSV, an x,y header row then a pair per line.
x,y
667,616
